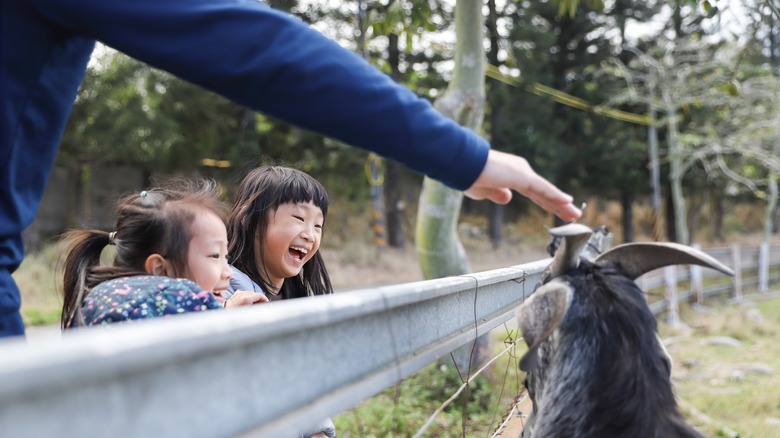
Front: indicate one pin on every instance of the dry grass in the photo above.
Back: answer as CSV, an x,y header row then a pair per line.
x,y
360,265
728,389
39,282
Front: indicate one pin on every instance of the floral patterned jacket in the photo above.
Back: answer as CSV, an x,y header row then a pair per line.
x,y
144,296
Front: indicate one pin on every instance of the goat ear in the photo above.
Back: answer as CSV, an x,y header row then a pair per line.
x,y
539,315
567,257
666,358
635,259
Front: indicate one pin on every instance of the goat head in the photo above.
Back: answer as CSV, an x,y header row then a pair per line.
x,y
595,364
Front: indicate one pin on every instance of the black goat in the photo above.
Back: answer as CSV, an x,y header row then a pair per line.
x,y
595,365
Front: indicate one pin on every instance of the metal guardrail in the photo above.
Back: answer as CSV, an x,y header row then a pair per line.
x,y
264,370
259,371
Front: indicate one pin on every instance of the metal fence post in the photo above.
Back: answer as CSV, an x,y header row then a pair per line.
x,y
736,259
642,283
670,277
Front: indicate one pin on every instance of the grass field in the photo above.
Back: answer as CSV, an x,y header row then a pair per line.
x,y
727,367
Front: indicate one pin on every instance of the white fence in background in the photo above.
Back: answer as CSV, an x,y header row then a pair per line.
x,y
752,267
266,370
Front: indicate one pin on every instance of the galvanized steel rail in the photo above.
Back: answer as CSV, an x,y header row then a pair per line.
x,y
258,371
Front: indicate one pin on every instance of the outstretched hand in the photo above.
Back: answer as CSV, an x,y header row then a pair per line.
x,y
506,172
245,298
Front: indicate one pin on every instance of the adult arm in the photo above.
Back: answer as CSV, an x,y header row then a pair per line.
x,y
274,63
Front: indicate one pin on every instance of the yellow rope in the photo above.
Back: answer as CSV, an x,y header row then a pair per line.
x,y
567,99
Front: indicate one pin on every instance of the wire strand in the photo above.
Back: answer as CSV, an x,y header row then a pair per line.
x,y
509,416
455,395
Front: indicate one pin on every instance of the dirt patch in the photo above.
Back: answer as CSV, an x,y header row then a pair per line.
x,y
359,266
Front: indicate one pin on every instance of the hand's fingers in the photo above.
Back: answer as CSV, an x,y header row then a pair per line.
x,y
251,297
560,204
246,297
259,298
504,171
499,196
553,200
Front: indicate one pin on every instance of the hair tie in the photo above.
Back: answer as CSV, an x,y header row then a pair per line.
x,y
143,194
112,238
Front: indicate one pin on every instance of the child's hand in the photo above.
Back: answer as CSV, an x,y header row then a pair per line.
x,y
245,298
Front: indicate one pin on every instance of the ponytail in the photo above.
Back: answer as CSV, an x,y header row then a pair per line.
x,y
82,271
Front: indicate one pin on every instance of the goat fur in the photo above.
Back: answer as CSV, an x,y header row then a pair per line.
x,y
599,372
595,365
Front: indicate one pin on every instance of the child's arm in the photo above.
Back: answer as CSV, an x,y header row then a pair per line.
x,y
245,298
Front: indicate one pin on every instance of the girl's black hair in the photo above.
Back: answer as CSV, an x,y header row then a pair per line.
x,y
259,195
155,221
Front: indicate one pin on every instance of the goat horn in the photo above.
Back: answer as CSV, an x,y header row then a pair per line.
x,y
567,257
635,259
539,315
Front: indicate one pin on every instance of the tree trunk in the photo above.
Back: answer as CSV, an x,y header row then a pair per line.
x,y
394,204
495,223
438,247
676,173
770,224
496,211
671,229
771,206
693,217
716,216
627,204
655,171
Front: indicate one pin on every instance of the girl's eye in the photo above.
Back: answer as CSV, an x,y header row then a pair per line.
x,y
299,218
318,226
214,256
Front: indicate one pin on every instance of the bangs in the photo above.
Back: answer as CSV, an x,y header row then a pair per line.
x,y
300,187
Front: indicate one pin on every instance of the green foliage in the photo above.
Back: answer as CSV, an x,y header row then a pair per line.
x,y
36,318
400,411
582,152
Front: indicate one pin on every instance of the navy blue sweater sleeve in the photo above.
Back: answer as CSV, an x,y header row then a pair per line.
x,y
276,64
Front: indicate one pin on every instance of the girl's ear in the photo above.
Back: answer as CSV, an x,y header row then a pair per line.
x,y
157,265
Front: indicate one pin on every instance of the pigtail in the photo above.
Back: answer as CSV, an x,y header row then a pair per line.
x,y
83,253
